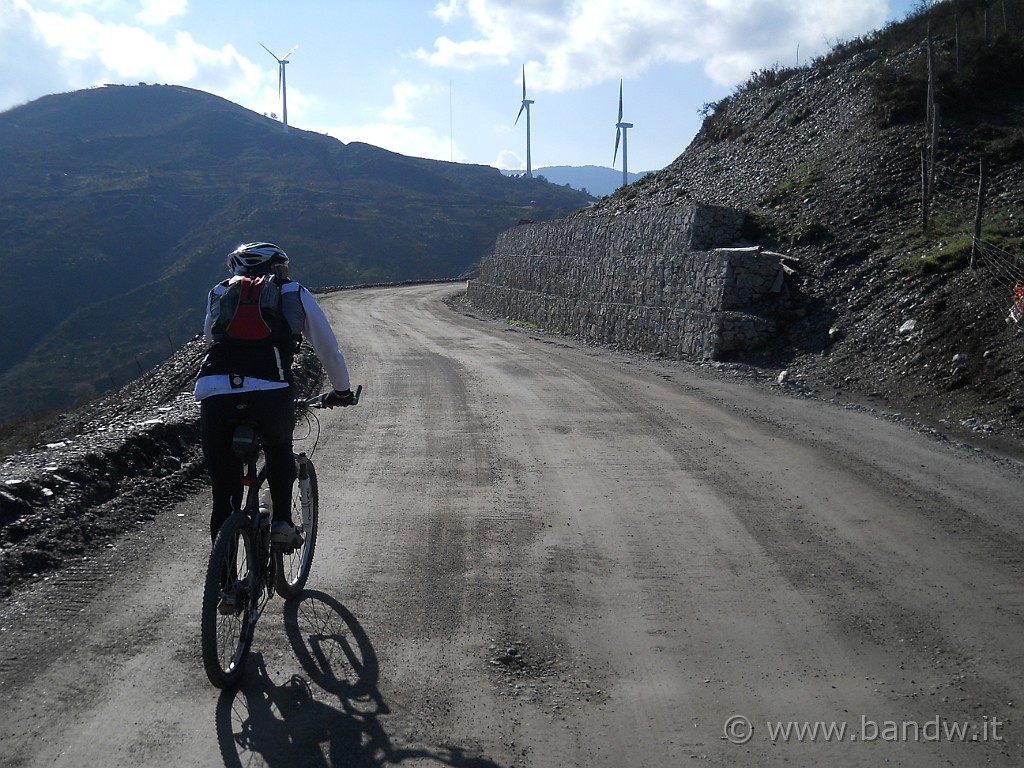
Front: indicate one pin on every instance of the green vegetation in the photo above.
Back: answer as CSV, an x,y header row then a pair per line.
x,y
759,226
800,181
525,324
1004,229
979,59
1002,144
947,246
799,115
118,223
945,256
764,226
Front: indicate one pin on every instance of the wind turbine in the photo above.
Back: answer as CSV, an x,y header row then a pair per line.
x,y
526,105
282,82
621,130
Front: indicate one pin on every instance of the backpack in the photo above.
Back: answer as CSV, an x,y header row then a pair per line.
x,y
250,311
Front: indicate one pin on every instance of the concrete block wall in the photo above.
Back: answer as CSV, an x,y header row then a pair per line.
x,y
655,282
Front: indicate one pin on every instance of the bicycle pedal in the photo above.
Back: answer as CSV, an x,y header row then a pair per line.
x,y
231,604
288,546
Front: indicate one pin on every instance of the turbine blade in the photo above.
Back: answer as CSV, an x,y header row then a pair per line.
x,y
280,77
620,101
524,82
269,51
290,52
618,135
520,114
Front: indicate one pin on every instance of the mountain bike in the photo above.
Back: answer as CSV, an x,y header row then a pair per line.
x,y
245,569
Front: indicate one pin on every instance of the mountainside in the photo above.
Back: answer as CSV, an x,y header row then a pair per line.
x,y
827,160
121,203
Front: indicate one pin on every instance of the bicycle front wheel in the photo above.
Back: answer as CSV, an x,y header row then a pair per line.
x,y
291,566
230,602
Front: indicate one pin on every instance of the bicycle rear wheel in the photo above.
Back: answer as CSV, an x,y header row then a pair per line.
x,y
230,602
291,567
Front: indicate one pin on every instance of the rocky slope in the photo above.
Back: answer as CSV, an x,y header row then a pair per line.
x,y
107,467
888,317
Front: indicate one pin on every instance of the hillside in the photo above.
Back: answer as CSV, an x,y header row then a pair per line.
x,y
120,204
827,161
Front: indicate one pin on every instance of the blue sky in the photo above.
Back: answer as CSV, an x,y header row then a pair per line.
x,y
440,78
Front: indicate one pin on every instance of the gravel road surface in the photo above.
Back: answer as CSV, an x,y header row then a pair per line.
x,y
536,553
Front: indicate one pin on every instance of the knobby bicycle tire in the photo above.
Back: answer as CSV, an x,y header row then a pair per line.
x,y
227,637
291,567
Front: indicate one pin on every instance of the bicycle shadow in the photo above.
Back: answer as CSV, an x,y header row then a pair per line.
x,y
292,724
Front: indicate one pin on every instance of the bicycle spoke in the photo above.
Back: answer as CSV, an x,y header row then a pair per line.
x,y
292,566
230,603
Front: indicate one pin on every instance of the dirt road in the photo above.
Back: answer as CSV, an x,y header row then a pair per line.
x,y
538,554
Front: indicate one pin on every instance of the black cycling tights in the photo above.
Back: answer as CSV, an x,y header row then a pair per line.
x,y
273,411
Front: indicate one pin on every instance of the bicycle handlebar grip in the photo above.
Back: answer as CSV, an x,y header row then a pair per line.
x,y
320,401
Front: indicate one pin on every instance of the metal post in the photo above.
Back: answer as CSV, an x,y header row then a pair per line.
x,y
924,190
978,214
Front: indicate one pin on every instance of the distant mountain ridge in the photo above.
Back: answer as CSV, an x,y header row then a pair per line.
x,y
121,202
596,180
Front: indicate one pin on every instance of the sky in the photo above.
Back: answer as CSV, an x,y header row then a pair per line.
x,y
440,79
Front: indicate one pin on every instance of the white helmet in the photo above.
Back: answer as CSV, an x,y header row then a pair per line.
x,y
254,256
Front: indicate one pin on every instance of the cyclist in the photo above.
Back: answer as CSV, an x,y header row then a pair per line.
x,y
250,378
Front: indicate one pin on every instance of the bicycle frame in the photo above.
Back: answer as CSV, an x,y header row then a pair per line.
x,y
237,589
245,442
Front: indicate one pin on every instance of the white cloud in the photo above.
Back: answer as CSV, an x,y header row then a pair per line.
x,y
509,160
160,11
573,44
406,94
446,11
50,51
28,69
491,19
468,54
103,6
414,141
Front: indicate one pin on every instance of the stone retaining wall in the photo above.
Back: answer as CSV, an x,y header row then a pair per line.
x,y
657,282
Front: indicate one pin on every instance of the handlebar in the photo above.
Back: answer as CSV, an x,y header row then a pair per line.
x,y
317,401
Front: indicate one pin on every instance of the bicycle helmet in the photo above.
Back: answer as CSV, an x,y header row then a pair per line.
x,y
254,256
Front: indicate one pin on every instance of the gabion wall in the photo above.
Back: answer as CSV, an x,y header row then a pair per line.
x,y
662,282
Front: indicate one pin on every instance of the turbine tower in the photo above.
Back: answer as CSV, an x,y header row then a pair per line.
x,y
526,105
282,82
621,129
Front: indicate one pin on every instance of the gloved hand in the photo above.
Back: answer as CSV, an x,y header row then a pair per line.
x,y
343,398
